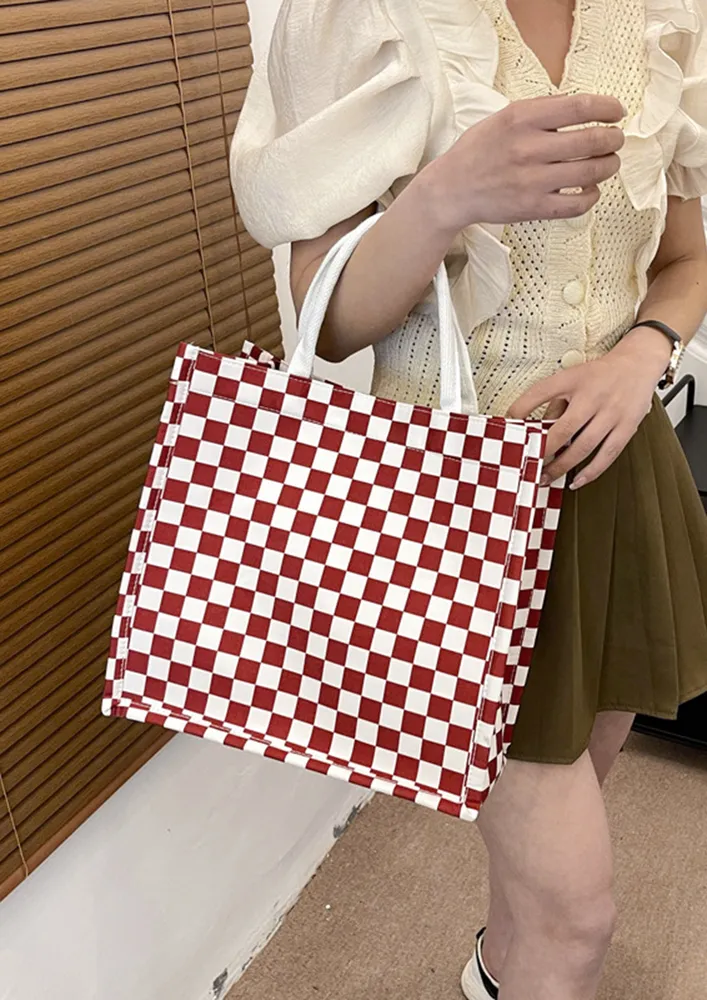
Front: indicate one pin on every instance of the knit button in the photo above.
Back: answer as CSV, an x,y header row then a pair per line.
x,y
573,294
573,358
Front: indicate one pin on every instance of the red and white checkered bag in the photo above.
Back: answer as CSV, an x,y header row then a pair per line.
x,y
345,583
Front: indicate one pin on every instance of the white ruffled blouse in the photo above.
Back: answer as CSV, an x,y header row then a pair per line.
x,y
355,99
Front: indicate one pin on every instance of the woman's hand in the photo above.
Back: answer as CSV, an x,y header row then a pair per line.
x,y
513,166
598,405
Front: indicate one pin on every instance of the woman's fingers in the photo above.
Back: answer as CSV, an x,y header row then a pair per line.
x,y
613,446
557,387
583,173
581,448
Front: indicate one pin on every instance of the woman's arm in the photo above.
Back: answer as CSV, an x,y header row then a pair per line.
x,y
608,399
509,168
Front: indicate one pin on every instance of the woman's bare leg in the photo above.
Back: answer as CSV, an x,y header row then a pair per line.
x,y
608,737
546,831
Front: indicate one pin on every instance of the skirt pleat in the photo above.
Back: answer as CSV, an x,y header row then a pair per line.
x,y
624,626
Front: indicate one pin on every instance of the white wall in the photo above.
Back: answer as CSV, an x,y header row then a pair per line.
x,y
176,882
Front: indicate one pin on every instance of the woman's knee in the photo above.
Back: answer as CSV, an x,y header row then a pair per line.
x,y
582,921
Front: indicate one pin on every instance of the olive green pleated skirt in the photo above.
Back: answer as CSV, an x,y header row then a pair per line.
x,y
624,626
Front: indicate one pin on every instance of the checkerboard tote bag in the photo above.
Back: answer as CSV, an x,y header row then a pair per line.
x,y
341,582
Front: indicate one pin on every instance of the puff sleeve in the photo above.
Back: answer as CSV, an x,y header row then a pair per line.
x,y
337,115
687,174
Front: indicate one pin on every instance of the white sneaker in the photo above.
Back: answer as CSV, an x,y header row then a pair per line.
x,y
477,983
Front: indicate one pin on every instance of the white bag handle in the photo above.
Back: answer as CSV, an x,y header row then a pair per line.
x,y
457,392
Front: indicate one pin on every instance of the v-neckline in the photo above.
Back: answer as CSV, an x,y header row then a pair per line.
x,y
534,57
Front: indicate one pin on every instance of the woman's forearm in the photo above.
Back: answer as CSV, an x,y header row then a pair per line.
x,y
386,277
678,296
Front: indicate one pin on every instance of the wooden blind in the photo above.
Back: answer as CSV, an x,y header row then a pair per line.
x,y
119,238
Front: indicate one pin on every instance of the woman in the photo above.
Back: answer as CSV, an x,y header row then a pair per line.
x,y
460,118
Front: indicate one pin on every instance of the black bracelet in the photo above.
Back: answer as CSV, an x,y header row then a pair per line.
x,y
656,324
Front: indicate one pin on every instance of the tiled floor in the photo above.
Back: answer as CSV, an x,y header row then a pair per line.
x,y
392,912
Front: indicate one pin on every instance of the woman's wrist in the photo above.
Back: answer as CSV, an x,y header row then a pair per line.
x,y
431,189
647,347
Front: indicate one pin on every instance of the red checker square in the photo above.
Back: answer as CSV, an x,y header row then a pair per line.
x,y
388,546
417,603
378,665
298,639
145,620
221,686
277,540
252,555
336,652
274,654
176,491
275,471
221,501
171,604
318,550
440,708
477,645
404,649
398,433
303,454
215,431
422,678
287,427
341,397
267,583
523,517
471,569
388,739
446,586
258,627
346,535
360,563
333,579
291,567
374,591
487,598
401,503
189,447
451,782
182,560
313,667
195,701
460,615
290,682
406,768
432,633
395,694
204,658
362,636
248,486
232,458
179,674
315,411
203,475
402,575
415,530
306,595
432,753
321,623
488,476
480,522
263,512
303,523
264,698
331,507
345,725
389,620
210,544
331,439
449,662
512,454
450,468
247,671
516,566
320,740
496,429
467,692
358,423
430,558
352,681
507,616
259,443
373,519
359,492
465,495
505,503
166,534
383,408
427,486
372,450
496,550
435,440
442,512
329,696
237,715
413,724
162,647
290,496
279,727
188,631
345,466
198,405
242,599
458,737
231,643
399,792
413,460
199,587
387,476
362,754
488,712
237,528
532,559
318,481
242,416
154,689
